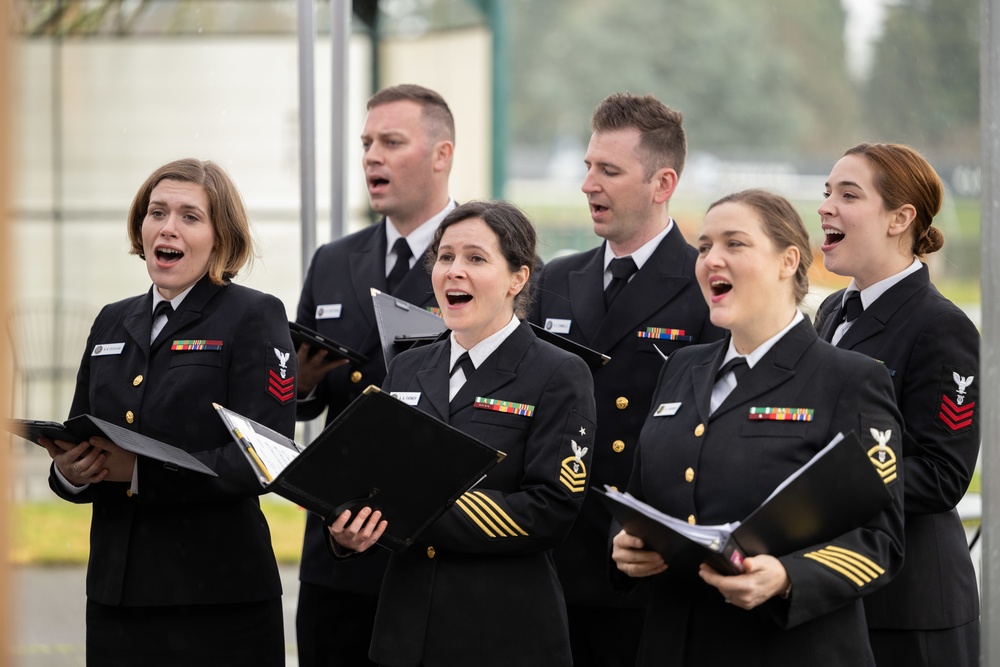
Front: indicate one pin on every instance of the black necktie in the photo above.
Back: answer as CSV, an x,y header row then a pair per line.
x,y
739,367
852,307
465,363
622,269
163,308
403,254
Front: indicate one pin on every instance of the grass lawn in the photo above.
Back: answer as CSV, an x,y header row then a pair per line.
x,y
58,533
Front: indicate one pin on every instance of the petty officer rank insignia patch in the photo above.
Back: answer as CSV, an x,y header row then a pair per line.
x,y
959,395
881,456
573,469
280,381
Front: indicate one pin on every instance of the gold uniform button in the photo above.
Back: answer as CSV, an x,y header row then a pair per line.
x,y
691,519
129,417
618,446
621,402
128,493
430,552
689,474
699,430
356,377
137,381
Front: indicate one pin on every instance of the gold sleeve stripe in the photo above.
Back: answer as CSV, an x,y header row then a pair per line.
x,y
474,505
818,558
859,557
497,511
474,518
856,567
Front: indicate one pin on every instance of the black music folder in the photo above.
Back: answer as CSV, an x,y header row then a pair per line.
x,y
83,427
401,325
593,358
302,334
379,452
838,490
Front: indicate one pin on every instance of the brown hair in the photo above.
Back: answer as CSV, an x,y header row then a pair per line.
x,y
903,176
662,142
233,242
436,114
782,224
515,236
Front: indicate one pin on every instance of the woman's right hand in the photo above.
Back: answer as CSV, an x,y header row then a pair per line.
x,y
80,464
632,559
359,533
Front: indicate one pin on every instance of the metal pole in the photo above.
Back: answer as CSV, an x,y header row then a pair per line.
x,y
501,84
307,128
989,372
340,40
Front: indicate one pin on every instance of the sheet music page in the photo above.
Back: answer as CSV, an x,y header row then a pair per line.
x,y
274,455
703,534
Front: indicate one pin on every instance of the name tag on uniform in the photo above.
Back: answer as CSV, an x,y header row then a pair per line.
x,y
667,409
408,397
328,311
105,349
557,326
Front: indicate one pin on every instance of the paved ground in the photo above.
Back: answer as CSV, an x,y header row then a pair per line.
x,y
49,616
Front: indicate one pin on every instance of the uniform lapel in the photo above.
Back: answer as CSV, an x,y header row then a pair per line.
x,y
829,318
139,322
586,295
703,378
190,309
656,284
877,315
365,274
499,369
774,369
433,380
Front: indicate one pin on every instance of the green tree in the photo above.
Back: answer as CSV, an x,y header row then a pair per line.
x,y
924,85
759,80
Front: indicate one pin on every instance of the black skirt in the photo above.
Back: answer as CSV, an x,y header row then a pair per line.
x,y
246,633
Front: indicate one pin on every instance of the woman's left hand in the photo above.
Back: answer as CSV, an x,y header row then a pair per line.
x,y
763,577
119,463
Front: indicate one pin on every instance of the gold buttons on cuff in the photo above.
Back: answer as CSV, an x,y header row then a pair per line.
x,y
356,377
129,417
689,475
618,446
699,430
621,402
430,552
137,381
691,519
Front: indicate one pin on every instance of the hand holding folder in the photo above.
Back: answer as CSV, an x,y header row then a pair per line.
x,y
380,453
84,427
836,491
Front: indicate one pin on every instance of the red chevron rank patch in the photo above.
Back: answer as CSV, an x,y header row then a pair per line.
x,y
955,417
959,391
280,382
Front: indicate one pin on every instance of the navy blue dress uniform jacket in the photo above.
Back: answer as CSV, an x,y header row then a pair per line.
x,y
931,350
480,587
663,294
185,537
718,468
342,274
